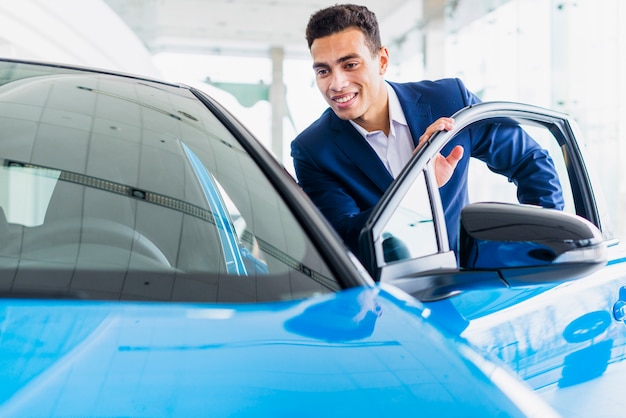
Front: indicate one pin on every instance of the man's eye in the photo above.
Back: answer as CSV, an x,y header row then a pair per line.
x,y
351,65
321,73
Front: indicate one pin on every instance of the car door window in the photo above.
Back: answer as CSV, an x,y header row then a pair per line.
x,y
486,186
407,235
410,231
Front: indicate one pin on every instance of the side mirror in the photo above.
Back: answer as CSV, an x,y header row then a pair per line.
x,y
528,244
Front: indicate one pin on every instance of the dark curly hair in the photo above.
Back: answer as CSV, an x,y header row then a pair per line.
x,y
340,17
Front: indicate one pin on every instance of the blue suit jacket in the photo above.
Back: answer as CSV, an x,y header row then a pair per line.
x,y
344,177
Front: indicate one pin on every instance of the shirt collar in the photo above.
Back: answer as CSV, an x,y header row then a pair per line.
x,y
396,114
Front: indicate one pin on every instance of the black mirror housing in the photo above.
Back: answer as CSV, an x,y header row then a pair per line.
x,y
528,244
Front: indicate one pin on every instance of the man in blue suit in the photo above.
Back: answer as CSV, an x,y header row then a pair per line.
x,y
347,158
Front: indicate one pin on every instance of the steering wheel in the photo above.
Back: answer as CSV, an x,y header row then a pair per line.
x,y
93,231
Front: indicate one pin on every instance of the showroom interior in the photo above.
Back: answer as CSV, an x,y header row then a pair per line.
x,y
565,55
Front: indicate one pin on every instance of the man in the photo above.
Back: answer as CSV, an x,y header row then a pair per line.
x,y
347,158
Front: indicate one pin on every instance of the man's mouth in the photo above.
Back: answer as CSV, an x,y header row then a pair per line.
x,y
344,99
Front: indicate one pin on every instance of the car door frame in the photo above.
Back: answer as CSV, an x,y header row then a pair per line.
x,y
560,125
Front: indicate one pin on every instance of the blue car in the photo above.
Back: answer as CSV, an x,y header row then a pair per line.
x,y
156,260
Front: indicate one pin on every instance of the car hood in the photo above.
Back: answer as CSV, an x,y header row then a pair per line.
x,y
361,351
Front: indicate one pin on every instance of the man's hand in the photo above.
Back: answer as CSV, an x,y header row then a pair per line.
x,y
444,166
441,124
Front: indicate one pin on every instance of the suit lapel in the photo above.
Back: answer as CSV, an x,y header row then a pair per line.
x,y
418,115
357,150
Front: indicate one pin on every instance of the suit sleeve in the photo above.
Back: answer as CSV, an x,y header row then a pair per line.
x,y
508,150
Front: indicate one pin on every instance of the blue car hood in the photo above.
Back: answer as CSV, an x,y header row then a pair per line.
x,y
359,352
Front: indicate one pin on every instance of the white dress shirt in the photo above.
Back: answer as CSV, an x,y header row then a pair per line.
x,y
394,150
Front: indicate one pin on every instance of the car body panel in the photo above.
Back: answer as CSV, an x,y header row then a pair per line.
x,y
338,355
565,342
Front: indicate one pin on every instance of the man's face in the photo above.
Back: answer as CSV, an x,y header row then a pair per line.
x,y
349,77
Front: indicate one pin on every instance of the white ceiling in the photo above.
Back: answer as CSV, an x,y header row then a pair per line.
x,y
243,27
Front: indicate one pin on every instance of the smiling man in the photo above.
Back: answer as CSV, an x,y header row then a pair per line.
x,y
347,158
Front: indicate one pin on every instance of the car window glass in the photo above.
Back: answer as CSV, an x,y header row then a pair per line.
x,y
116,189
410,232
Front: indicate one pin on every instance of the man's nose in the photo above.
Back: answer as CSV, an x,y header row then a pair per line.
x,y
338,81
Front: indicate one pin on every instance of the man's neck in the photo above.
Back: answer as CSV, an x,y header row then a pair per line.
x,y
377,119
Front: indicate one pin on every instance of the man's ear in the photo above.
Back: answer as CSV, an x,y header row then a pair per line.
x,y
383,59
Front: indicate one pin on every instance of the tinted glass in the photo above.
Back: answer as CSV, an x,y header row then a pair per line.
x,y
118,188
410,232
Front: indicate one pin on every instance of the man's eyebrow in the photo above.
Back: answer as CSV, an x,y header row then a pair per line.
x,y
339,61
348,57
320,65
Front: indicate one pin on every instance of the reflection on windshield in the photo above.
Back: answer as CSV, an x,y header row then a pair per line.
x,y
27,192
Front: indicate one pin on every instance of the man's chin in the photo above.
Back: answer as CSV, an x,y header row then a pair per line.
x,y
344,114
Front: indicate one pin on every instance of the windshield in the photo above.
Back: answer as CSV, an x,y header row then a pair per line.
x,y
117,188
